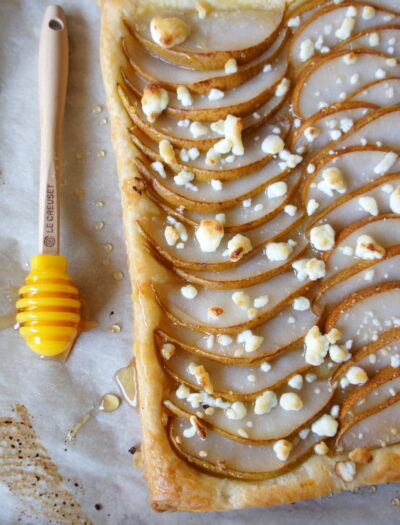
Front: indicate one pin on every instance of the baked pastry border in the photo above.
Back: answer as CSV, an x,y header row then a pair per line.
x,y
173,483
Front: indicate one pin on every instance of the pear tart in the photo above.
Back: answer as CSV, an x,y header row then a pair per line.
x,y
258,157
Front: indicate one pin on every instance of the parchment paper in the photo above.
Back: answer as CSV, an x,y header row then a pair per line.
x,y
96,469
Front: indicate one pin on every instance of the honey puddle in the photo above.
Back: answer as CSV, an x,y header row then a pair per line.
x,y
126,380
31,476
109,403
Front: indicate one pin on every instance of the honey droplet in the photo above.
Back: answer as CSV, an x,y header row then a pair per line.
x,y
109,403
103,121
99,204
372,489
118,276
108,247
99,226
78,425
79,155
395,502
101,153
106,261
126,380
115,328
79,192
97,109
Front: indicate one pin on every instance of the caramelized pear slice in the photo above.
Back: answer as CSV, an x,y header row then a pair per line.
x,y
206,199
234,459
232,381
387,39
379,127
349,208
190,256
384,229
317,86
382,385
170,77
213,40
374,355
278,423
275,293
252,213
255,158
178,131
239,102
381,92
327,122
358,276
356,165
332,17
277,336
363,315
379,427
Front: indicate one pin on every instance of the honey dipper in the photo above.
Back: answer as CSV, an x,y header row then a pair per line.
x,y
49,308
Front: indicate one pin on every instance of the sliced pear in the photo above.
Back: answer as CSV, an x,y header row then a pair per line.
x,y
332,17
387,38
384,229
276,424
362,316
278,336
356,164
282,315
357,276
376,428
253,212
317,84
378,127
193,258
170,77
253,160
381,92
327,120
206,198
279,291
349,209
231,381
213,40
170,128
239,102
383,384
234,459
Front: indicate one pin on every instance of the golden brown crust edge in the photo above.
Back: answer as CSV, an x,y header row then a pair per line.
x,y
174,485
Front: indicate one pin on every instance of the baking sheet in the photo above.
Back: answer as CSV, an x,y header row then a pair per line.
x,y
93,475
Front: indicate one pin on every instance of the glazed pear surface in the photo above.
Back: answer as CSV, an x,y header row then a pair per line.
x,y
270,161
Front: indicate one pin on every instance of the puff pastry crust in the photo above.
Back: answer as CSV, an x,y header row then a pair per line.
x,y
174,484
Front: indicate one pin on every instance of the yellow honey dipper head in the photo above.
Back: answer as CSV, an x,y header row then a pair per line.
x,y
48,308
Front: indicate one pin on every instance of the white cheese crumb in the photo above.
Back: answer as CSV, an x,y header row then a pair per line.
x,y
265,402
356,375
231,66
301,304
184,96
368,248
215,94
277,189
282,449
369,204
209,235
325,426
316,347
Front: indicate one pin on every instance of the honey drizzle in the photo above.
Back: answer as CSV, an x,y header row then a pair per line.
x,y
126,380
